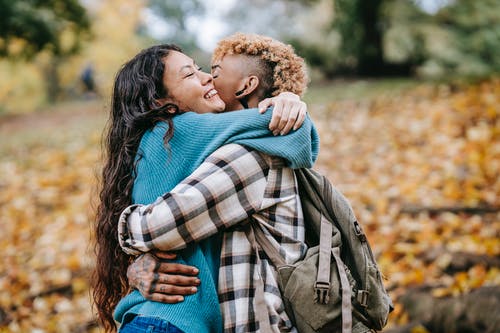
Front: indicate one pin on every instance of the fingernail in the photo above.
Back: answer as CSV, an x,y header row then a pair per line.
x,y
275,133
180,298
282,133
194,289
195,270
197,281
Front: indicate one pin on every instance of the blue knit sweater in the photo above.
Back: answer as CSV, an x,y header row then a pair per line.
x,y
161,168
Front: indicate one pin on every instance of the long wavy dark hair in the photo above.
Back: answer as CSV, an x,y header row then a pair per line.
x,y
134,109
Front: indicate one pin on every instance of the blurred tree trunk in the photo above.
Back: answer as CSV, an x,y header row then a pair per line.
x,y
51,76
370,53
361,25
475,312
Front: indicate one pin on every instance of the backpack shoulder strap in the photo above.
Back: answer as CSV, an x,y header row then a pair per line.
x,y
316,195
265,244
322,285
315,188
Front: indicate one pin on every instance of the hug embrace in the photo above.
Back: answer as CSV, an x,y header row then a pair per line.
x,y
195,163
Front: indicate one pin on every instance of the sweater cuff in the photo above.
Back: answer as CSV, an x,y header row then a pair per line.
x,y
124,236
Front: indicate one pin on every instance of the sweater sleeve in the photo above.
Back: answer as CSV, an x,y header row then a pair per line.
x,y
225,190
205,133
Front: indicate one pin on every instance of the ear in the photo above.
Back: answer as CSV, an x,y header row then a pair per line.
x,y
249,85
162,101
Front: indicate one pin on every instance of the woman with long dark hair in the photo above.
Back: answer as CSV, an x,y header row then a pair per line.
x,y
134,110
151,94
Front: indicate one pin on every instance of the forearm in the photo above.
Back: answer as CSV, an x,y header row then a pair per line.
x,y
249,128
223,191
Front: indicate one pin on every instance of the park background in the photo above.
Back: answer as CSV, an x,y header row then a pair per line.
x,y
405,94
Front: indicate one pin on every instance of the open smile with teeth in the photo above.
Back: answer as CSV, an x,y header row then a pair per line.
x,y
211,93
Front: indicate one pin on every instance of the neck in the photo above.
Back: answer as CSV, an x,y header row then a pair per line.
x,y
253,101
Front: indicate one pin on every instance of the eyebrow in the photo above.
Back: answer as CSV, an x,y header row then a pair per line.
x,y
187,66
216,66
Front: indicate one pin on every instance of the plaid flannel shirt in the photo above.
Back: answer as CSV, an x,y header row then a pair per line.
x,y
233,187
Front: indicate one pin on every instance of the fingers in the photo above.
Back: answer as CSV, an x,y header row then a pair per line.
x,y
148,275
292,118
178,280
264,104
285,115
175,268
168,292
276,117
289,95
169,289
301,116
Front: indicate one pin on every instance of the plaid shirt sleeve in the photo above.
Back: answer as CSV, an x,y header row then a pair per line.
x,y
225,190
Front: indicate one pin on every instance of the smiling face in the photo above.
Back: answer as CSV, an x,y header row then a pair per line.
x,y
188,87
228,74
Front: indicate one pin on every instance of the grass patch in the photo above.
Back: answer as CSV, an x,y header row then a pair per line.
x,y
50,127
326,92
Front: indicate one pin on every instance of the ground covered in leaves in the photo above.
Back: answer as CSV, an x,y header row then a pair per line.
x,y
420,167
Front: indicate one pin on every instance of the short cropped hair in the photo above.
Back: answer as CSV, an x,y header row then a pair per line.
x,y
278,67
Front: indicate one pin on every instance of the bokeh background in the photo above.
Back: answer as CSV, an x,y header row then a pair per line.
x,y
405,94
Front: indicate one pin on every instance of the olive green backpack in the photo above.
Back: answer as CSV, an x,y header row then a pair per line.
x,y
337,287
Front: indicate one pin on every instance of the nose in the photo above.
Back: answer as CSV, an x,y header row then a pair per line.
x,y
206,78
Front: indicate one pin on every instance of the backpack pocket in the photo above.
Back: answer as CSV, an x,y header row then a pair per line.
x,y
379,304
297,287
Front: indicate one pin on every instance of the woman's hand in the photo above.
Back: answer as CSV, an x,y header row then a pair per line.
x,y
162,281
289,112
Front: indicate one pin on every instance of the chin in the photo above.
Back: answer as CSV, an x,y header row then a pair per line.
x,y
218,107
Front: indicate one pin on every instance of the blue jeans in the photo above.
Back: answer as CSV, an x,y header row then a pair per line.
x,y
142,324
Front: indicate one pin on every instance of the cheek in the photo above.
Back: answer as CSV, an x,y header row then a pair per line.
x,y
223,88
187,95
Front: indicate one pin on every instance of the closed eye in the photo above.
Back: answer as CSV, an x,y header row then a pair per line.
x,y
215,72
199,69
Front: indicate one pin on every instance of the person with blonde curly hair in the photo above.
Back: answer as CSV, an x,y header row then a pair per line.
x,y
249,68
235,186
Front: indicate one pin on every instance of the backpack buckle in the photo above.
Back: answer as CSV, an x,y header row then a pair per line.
x,y
362,297
359,232
322,292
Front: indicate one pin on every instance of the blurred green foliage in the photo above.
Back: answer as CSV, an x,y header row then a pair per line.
x,y
57,27
473,29
37,25
397,37
176,15
29,83
44,44
381,37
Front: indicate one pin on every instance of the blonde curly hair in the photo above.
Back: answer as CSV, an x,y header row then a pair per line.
x,y
280,68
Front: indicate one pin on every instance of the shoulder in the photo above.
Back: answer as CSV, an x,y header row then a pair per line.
x,y
239,157
153,137
158,130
